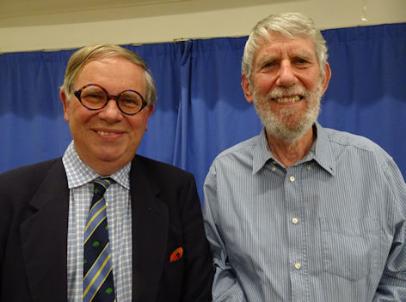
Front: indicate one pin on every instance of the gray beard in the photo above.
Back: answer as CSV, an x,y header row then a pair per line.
x,y
275,125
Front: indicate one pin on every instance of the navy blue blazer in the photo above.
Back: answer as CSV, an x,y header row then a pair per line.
x,y
166,215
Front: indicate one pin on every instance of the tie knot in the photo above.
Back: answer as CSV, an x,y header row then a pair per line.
x,y
101,184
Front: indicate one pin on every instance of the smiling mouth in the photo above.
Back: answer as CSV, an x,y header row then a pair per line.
x,y
287,99
105,133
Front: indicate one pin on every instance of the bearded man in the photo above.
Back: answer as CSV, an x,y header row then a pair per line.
x,y
301,212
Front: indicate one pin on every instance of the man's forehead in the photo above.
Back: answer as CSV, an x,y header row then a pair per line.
x,y
124,73
277,42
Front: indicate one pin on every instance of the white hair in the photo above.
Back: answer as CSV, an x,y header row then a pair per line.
x,y
289,25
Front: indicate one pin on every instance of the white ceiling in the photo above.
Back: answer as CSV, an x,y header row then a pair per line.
x,y
46,12
13,8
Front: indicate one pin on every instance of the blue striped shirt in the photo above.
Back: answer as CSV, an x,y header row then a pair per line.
x,y
332,227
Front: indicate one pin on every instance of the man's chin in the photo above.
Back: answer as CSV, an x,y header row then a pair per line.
x,y
287,133
111,157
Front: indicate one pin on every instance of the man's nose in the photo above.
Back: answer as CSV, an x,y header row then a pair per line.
x,y
111,111
286,76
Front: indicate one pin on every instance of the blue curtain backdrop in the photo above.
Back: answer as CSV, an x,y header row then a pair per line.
x,y
201,109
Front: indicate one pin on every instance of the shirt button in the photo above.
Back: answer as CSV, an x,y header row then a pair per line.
x,y
292,178
297,265
273,168
295,220
309,167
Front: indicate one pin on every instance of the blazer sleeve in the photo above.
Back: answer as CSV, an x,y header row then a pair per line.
x,y
199,268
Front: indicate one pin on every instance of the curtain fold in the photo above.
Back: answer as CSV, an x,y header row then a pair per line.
x,y
201,109
183,119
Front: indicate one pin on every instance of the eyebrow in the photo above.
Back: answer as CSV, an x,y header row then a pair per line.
x,y
305,54
266,58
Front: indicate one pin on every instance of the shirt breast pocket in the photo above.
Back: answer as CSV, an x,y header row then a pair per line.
x,y
349,248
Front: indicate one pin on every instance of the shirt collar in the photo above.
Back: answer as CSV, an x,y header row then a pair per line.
x,y
320,152
323,153
79,174
261,154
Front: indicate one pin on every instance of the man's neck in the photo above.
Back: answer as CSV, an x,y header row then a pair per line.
x,y
290,152
102,167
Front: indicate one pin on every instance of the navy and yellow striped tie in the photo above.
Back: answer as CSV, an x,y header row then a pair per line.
x,y
98,283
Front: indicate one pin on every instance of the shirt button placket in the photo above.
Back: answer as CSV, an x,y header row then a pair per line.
x,y
294,204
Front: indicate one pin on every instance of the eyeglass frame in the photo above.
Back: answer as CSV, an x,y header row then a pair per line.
x,y
77,94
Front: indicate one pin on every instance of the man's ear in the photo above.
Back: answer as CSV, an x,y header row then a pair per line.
x,y
65,103
247,89
150,110
146,113
327,77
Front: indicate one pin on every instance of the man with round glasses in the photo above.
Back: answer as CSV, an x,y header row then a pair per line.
x,y
102,223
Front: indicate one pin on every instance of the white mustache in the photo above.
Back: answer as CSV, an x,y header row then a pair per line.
x,y
279,92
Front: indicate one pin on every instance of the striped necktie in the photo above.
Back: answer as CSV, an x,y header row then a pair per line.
x,y
98,283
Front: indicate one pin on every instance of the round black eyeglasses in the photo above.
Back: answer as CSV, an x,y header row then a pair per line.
x,y
95,97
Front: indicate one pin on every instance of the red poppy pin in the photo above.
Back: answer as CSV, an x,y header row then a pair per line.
x,y
176,255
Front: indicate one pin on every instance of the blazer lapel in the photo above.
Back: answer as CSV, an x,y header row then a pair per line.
x,y
150,219
44,238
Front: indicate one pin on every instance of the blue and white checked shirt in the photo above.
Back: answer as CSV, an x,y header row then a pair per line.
x,y
119,220
330,228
